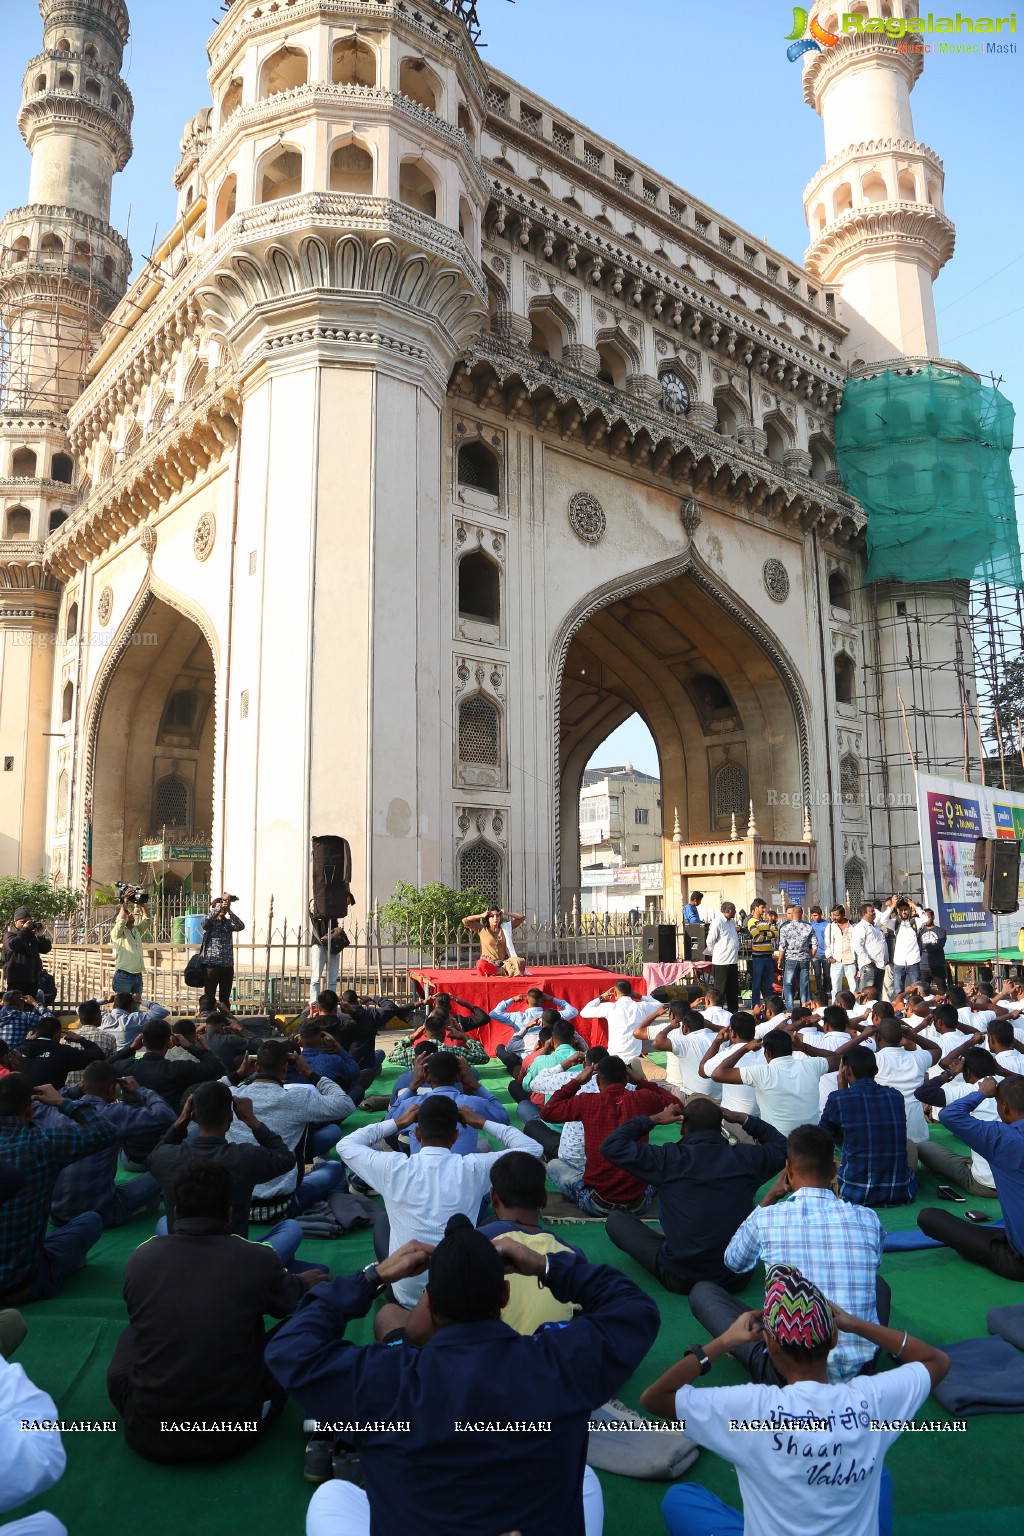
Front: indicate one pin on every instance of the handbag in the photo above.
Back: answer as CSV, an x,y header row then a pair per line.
x,y
195,971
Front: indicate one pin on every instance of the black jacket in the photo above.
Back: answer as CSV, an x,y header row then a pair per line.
x,y
202,1361
706,1188
22,966
50,1061
247,1165
170,1079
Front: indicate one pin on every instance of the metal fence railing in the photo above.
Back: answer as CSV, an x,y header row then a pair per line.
x,y
272,972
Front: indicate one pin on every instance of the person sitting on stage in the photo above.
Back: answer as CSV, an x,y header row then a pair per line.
x,y
602,1187
525,1024
1001,1144
706,1188
443,1029
496,957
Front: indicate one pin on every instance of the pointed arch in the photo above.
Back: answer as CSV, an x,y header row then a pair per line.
x,y
554,327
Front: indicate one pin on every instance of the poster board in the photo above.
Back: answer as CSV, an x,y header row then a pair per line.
x,y
952,816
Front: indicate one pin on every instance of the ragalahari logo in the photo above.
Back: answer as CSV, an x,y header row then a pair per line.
x,y
801,44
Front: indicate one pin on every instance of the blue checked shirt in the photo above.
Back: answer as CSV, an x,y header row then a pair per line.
x,y
870,1121
88,1185
40,1152
15,1024
836,1245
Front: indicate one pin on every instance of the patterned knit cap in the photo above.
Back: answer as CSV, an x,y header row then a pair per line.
x,y
795,1311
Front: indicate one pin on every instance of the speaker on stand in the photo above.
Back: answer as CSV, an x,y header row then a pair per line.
x,y
659,943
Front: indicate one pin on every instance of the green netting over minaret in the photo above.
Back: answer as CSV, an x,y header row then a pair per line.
x,y
927,454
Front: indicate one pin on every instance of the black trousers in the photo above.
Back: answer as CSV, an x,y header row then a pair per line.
x,y
646,1245
517,1091
977,1244
218,979
549,1139
510,1060
727,983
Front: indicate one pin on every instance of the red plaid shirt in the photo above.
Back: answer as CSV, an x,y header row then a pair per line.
x,y
602,1113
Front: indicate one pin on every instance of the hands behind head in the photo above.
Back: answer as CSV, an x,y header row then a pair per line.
x,y
128,1084
411,1259
408,1115
988,1086
46,1093
520,1260
470,1117
670,1115
243,1110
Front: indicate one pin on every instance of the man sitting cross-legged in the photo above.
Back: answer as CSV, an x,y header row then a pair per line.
x,y
441,1027
971,1173
421,1192
482,1431
89,1185
49,1053
835,1430
177,1364
518,1196
687,1038
1001,1144
452,1076
705,1188
525,1024
833,1243
869,1121
602,1187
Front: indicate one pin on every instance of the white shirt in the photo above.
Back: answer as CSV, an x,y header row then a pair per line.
x,y
778,1496
786,1089
907,949
624,1015
288,1109
837,943
905,1071
1011,1061
988,1109
769,1024
723,941
31,1463
974,1020
422,1192
868,942
689,1051
947,1043
718,1018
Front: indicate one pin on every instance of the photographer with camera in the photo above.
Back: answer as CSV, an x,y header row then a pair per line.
x,y
24,944
217,953
130,931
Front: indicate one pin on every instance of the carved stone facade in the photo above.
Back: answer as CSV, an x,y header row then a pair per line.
x,y
438,438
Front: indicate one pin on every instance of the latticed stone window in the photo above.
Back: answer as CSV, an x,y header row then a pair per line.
x,y
481,867
171,802
479,732
478,469
731,790
853,877
849,779
62,796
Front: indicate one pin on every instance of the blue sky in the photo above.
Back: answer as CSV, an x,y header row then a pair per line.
x,y
703,93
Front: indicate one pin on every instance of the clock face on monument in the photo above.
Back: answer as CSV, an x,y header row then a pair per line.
x,y
675,396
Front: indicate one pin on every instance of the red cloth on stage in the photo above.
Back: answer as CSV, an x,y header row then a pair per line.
x,y
575,984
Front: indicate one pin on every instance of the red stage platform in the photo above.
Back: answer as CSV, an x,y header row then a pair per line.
x,y
575,984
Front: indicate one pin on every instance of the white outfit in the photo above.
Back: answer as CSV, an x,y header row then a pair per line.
x,y
947,1043
778,1495
341,1509
718,1018
422,1192
988,1109
288,1109
905,1071
868,942
320,960
689,1051
786,1089
907,946
723,941
624,1015
1011,1061
30,1463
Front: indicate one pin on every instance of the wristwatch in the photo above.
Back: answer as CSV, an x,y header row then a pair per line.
x,y
372,1277
697,1350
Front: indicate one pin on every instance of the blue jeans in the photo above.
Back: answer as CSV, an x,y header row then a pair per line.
x,y
820,976
125,982
904,976
690,1510
528,1111
569,1181
284,1238
317,1185
63,1255
324,1139
762,977
794,970
131,1197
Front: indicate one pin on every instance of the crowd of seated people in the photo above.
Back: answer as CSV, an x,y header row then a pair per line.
x,y
778,1135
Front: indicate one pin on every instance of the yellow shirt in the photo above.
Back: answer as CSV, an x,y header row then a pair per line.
x,y
493,947
530,1305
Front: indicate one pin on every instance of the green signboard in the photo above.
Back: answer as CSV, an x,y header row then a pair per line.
x,y
151,853
157,853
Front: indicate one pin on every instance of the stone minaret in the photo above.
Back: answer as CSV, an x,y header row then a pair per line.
x,y
874,209
880,236
62,271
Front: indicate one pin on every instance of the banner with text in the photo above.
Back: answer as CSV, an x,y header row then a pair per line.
x,y
952,817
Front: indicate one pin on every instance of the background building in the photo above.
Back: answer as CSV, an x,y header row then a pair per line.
x,y
437,438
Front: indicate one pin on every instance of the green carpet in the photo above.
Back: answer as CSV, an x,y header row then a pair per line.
x,y
940,1480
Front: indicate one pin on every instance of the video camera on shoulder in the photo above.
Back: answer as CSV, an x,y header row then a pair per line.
x,y
128,893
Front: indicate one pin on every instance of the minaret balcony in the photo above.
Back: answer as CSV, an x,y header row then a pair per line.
x,y
916,229
74,109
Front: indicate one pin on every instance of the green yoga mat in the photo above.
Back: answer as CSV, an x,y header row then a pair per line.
x,y
942,1482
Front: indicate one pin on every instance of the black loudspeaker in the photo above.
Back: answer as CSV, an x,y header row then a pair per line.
x,y
981,856
659,943
696,939
332,877
1002,875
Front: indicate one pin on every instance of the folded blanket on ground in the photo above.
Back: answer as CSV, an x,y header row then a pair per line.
x,y
338,1215
1008,1323
986,1376
634,1446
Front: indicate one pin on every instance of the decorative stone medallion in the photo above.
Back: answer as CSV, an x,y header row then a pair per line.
x,y
776,580
147,540
206,533
586,515
690,516
105,606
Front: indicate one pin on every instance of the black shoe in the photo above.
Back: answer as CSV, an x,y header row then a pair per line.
x,y
358,1186
345,1466
317,1466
